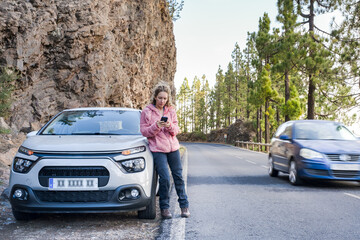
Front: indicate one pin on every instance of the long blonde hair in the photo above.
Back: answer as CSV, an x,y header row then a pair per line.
x,y
161,87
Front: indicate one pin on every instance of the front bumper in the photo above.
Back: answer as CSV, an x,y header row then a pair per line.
x,y
33,204
314,170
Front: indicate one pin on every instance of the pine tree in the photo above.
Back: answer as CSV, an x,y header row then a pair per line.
x,y
183,99
218,98
287,55
317,57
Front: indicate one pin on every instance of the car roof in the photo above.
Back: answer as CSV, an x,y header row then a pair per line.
x,y
313,121
102,108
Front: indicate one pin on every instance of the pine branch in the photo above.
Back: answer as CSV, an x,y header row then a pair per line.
x,y
323,5
320,30
300,12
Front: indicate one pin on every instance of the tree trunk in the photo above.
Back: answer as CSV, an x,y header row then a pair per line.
x,y
267,123
260,128
287,92
257,125
311,93
311,99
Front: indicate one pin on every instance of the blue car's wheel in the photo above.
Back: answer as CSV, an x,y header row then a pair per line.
x,y
293,174
272,171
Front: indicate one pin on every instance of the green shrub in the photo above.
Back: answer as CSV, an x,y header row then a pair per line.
x,y
5,131
7,79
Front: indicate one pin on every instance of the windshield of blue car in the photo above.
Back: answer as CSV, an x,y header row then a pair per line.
x,y
322,131
95,122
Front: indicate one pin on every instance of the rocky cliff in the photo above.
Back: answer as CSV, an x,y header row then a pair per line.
x,y
75,53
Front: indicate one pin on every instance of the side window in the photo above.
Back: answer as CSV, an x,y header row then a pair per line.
x,y
288,131
280,130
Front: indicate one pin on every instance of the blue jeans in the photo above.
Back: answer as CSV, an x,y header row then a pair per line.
x,y
162,161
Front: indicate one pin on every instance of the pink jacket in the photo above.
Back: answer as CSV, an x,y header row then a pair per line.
x,y
160,139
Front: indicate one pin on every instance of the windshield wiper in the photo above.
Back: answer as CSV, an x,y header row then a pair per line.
x,y
96,133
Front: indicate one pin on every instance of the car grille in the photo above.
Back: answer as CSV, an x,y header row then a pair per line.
x,y
345,174
317,172
335,157
74,196
101,173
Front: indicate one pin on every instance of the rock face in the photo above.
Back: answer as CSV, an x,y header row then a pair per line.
x,y
84,53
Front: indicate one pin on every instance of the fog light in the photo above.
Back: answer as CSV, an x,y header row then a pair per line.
x,y
20,194
134,193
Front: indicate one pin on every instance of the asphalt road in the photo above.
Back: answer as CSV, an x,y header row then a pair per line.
x,y
232,197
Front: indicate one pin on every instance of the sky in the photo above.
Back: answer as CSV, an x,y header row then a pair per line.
x,y
207,31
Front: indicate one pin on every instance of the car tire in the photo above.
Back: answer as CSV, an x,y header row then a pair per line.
x,y
23,216
272,171
150,210
293,174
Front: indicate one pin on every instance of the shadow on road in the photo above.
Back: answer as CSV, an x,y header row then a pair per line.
x,y
281,182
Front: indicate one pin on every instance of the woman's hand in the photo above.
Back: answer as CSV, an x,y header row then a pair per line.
x,y
162,124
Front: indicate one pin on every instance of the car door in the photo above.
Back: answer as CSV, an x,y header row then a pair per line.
x,y
276,145
285,146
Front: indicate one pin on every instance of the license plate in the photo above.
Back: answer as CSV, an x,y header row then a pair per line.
x,y
344,167
73,184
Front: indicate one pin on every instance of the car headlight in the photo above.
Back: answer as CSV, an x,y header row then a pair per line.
x,y
133,150
310,154
26,151
22,165
133,165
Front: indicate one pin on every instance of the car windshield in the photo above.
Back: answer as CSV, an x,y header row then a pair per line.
x,y
95,122
322,131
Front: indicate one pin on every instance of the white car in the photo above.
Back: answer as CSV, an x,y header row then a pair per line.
x,y
85,160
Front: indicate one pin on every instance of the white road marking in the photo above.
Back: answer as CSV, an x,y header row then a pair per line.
x,y
264,166
352,195
251,162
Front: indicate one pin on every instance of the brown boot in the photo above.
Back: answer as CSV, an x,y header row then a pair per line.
x,y
165,213
185,213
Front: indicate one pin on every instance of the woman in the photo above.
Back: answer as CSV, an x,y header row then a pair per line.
x,y
161,133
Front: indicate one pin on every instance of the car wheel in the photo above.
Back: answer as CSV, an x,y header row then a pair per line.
x,y
23,216
150,210
272,171
293,174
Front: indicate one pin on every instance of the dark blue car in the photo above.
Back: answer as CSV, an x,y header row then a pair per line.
x,y
314,149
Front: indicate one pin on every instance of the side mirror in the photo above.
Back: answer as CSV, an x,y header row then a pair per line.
x,y
284,137
30,134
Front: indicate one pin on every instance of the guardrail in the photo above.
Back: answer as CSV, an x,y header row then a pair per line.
x,y
260,147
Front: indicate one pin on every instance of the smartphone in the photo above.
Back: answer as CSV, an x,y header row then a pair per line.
x,y
164,119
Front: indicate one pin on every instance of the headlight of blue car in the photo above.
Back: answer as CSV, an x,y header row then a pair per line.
x,y
310,154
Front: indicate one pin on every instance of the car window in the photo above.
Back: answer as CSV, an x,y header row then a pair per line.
x,y
323,131
280,130
95,122
288,131
284,129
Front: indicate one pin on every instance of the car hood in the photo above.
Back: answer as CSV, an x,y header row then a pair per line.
x,y
86,143
332,146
